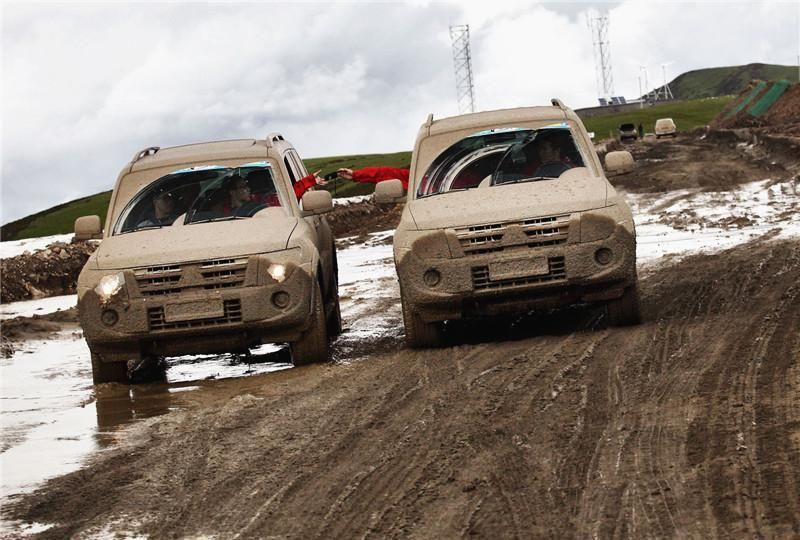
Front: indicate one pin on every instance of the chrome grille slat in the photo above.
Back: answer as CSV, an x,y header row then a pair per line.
x,y
557,271
232,314
492,237
175,279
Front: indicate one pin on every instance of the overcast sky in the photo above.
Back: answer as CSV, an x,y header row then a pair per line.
x,y
85,85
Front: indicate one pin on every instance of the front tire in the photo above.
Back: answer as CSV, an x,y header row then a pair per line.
x,y
625,310
419,333
108,372
312,346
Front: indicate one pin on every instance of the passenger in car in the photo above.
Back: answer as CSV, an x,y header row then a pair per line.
x,y
306,183
373,175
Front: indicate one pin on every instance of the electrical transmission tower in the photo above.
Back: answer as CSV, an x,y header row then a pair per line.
x,y
602,55
462,61
666,91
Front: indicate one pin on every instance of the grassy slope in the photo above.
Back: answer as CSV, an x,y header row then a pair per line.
x,y
727,80
687,116
60,219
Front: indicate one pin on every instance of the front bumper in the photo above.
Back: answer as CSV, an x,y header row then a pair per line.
x,y
475,286
196,320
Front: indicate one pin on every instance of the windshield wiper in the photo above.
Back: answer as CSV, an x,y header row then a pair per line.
x,y
520,180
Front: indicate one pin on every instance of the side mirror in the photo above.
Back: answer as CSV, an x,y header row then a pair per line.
x,y
619,162
316,202
389,192
88,228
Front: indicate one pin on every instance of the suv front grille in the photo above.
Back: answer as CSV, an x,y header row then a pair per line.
x,y
557,271
203,275
232,314
496,237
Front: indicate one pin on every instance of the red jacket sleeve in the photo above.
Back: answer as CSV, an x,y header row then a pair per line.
x,y
303,185
373,175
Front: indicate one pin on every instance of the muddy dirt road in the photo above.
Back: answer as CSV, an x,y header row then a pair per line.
x,y
545,426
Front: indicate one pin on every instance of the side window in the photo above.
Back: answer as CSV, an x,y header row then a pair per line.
x,y
290,168
298,163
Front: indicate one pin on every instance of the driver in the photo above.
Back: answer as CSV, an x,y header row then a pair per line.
x,y
163,212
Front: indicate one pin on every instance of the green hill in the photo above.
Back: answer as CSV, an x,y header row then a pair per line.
x,y
726,81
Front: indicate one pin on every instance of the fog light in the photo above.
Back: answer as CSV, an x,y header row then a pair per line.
x,y
431,277
281,299
603,256
109,317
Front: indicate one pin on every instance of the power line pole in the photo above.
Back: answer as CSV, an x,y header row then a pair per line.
x,y
602,55
462,62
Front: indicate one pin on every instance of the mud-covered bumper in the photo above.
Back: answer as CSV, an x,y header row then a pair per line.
x,y
198,321
518,280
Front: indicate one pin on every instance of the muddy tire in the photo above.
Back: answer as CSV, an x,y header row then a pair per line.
x,y
419,333
313,344
335,317
334,322
106,372
625,311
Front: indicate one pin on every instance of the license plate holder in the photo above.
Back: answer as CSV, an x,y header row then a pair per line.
x,y
193,310
537,266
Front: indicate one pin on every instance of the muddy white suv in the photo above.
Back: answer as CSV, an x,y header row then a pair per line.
x,y
207,250
509,211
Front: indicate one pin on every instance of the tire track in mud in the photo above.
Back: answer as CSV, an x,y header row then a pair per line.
x,y
724,442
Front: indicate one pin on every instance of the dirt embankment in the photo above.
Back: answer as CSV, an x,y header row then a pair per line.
x,y
48,272
713,160
21,329
685,426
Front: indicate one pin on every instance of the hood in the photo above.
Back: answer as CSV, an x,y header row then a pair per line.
x,y
510,202
199,241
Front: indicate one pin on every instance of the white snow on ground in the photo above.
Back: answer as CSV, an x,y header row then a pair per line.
x,y
344,201
28,308
693,221
18,247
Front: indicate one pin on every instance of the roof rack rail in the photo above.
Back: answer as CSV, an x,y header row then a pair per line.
x,y
557,103
149,151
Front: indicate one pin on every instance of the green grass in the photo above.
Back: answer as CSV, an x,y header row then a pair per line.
x,y
687,116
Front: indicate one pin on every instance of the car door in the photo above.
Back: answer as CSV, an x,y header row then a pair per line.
x,y
322,236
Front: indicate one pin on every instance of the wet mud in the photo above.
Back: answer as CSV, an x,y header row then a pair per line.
x,y
548,425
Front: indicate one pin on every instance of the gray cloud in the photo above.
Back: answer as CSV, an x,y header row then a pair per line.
x,y
86,85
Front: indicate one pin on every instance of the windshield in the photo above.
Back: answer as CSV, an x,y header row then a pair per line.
x,y
502,156
201,194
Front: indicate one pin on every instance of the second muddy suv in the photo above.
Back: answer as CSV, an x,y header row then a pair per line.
x,y
206,249
509,211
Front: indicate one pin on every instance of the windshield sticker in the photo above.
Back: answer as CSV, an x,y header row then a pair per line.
x,y
498,130
562,125
199,168
256,164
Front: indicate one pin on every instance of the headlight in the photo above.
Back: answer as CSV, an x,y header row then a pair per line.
x,y
277,272
109,286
